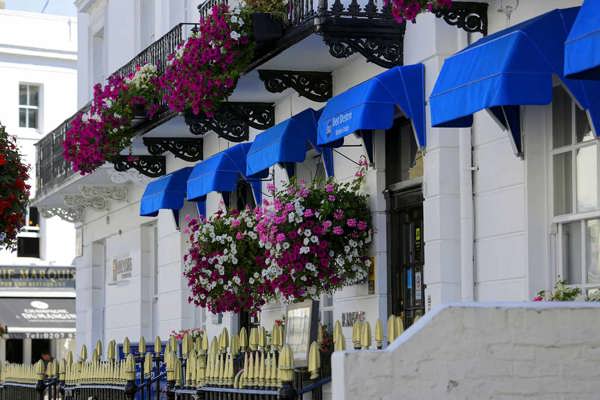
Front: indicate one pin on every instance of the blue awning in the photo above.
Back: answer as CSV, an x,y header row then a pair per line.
x,y
286,143
221,173
373,105
582,48
165,193
506,70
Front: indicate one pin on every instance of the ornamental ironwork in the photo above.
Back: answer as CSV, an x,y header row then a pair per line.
x,y
467,15
368,30
313,85
151,166
69,214
383,52
187,149
233,120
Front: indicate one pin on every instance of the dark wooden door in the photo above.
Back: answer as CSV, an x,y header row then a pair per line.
x,y
406,251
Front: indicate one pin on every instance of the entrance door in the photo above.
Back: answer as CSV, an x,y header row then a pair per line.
x,y
405,244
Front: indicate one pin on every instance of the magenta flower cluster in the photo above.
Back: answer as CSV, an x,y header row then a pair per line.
x,y
308,241
197,77
87,142
205,69
407,10
101,132
316,239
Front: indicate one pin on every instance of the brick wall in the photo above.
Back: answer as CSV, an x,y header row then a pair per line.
x,y
482,351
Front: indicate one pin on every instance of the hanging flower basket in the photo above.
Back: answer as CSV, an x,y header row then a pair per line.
x,y
204,70
14,191
98,135
407,10
224,262
316,239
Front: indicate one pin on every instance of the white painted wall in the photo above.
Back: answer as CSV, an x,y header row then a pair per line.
x,y
481,351
511,256
39,49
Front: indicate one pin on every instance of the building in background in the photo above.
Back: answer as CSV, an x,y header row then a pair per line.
x,y
38,82
462,219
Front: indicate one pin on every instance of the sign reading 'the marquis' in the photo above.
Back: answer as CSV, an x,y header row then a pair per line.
x,y
37,277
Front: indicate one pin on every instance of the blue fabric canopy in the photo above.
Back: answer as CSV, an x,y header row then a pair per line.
x,y
373,104
285,143
165,193
221,173
582,48
506,70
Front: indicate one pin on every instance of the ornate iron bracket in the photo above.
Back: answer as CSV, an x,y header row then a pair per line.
x,y
315,86
232,120
152,166
380,41
467,15
188,149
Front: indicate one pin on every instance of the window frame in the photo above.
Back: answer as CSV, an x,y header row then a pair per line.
x,y
558,222
28,106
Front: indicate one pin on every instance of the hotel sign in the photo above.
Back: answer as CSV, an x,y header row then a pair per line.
x,y
37,277
338,125
122,269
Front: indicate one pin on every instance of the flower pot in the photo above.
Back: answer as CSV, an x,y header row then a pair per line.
x,y
266,27
139,114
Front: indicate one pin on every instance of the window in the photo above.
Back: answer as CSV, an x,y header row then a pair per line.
x,y
32,220
29,105
147,8
576,198
401,161
241,198
28,246
98,56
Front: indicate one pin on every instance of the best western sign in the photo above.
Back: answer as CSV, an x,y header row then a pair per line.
x,y
37,277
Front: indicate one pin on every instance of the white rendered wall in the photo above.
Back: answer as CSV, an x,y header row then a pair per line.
x,y
39,49
481,351
510,255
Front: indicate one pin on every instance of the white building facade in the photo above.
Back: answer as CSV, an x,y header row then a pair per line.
x,y
38,81
464,219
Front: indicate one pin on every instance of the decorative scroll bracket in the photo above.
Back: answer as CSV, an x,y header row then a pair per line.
x,y
151,166
316,86
380,41
188,149
232,120
467,15
69,214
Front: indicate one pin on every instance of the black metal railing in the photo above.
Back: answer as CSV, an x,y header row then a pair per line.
x,y
51,166
157,52
299,11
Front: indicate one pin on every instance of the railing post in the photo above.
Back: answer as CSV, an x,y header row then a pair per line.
x,y
130,389
170,390
287,392
40,387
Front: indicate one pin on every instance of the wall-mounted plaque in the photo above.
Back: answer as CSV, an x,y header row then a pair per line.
x,y
301,329
122,269
349,318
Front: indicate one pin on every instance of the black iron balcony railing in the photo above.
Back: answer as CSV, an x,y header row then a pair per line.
x,y
52,168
